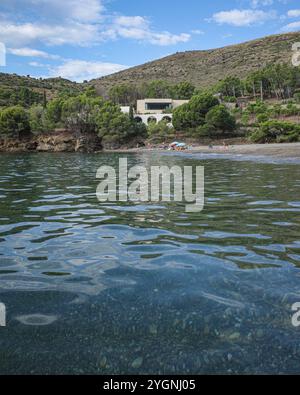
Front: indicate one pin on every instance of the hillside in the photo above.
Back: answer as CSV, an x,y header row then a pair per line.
x,y
205,68
201,68
15,89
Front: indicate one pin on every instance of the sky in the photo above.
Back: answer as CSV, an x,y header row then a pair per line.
x,y
85,39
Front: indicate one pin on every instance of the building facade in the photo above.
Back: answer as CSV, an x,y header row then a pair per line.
x,y
154,110
158,106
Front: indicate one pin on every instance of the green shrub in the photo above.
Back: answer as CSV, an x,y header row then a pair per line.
x,y
192,115
263,117
276,131
14,122
245,119
160,128
230,99
297,97
37,118
290,138
220,121
204,131
257,108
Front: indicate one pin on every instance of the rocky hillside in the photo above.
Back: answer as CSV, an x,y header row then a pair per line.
x,y
57,141
201,68
205,68
13,88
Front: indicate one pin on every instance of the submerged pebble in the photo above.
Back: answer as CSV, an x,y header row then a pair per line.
x,y
103,362
37,319
153,329
137,363
235,336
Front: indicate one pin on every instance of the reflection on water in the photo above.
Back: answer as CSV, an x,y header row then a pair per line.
x,y
137,288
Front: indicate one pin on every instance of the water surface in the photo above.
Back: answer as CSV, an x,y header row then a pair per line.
x,y
148,288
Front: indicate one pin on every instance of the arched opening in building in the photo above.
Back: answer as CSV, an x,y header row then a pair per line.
x,y
167,119
152,120
138,119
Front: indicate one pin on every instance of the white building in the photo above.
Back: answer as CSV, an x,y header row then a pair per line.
x,y
155,110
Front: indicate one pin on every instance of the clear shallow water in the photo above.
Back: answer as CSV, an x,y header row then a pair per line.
x,y
123,288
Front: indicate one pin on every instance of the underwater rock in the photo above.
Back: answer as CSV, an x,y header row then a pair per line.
x,y
103,362
153,330
137,363
37,319
235,336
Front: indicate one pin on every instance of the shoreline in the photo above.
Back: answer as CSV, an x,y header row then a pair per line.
x,y
54,145
286,150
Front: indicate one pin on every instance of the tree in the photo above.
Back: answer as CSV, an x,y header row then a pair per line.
x,y
78,113
297,97
116,128
230,87
90,91
44,99
183,118
161,128
192,114
131,113
157,90
14,122
183,91
37,117
218,119
124,94
276,131
54,113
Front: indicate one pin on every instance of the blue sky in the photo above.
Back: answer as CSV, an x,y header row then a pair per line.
x,y
85,39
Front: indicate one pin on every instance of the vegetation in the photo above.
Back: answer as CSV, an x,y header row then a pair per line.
x,y
205,115
161,128
204,68
225,100
27,91
84,113
276,132
127,94
14,122
220,121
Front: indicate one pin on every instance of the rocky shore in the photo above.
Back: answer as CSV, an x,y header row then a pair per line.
x,y
63,141
66,141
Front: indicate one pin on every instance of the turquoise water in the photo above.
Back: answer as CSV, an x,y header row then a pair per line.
x,y
148,288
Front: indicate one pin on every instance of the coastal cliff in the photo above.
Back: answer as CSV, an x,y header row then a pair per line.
x,y
58,141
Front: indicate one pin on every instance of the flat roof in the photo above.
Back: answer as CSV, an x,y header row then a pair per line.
x,y
157,100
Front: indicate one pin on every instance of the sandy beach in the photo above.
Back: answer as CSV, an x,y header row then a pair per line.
x,y
291,150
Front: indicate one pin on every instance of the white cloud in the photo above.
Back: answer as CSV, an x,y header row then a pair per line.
x,y
291,27
37,64
261,3
138,28
74,22
78,10
25,24
167,38
18,35
241,18
80,70
29,52
197,31
132,21
293,13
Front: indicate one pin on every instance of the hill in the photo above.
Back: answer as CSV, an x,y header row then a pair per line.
x,y
15,89
206,68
